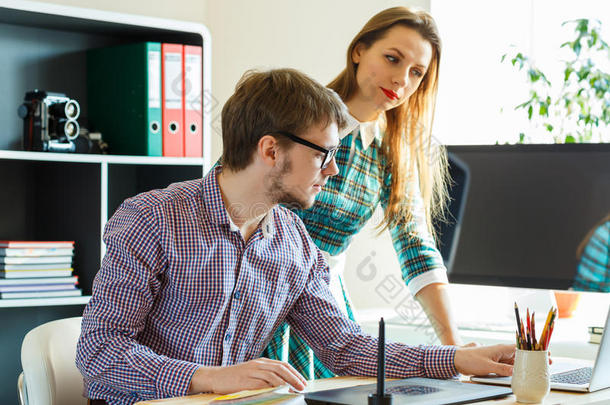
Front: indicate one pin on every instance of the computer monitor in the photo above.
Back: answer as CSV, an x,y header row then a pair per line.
x,y
528,209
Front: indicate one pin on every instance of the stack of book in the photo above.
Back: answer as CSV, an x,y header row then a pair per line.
x,y
36,269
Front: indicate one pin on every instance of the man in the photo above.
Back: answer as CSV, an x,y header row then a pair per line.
x,y
196,277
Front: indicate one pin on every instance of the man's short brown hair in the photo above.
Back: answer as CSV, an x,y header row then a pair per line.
x,y
274,100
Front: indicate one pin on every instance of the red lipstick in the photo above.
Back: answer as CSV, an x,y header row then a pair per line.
x,y
390,94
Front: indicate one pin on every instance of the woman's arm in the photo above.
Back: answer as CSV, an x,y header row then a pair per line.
x,y
423,270
434,299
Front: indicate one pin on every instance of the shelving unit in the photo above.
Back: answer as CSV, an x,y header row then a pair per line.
x,y
46,48
56,196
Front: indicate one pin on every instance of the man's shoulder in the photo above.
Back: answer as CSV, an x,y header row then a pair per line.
x,y
288,219
285,215
175,193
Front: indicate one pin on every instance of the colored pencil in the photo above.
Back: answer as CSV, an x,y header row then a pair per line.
x,y
525,335
534,331
518,320
545,328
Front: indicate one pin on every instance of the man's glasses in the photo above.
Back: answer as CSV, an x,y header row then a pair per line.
x,y
329,154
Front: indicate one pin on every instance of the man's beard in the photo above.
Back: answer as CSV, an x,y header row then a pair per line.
x,y
278,192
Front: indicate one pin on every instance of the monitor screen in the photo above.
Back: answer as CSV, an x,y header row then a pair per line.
x,y
528,208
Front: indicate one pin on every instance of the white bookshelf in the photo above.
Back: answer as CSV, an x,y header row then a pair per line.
x,y
69,196
66,196
114,159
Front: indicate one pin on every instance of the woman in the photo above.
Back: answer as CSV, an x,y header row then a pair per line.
x,y
593,272
387,158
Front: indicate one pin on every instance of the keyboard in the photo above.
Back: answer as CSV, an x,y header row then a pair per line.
x,y
488,326
578,376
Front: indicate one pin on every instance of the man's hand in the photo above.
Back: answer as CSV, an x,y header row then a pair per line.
x,y
484,360
251,375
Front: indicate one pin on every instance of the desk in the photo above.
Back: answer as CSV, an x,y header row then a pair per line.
x,y
555,397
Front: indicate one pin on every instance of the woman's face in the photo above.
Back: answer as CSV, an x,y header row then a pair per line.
x,y
391,69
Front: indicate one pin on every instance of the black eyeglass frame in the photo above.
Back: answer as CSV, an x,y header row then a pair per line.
x,y
329,154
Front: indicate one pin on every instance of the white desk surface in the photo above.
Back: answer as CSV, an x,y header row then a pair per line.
x,y
555,397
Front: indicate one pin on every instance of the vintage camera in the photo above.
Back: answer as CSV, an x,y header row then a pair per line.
x,y
49,121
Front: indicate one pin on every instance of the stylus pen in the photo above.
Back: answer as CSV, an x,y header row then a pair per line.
x,y
381,360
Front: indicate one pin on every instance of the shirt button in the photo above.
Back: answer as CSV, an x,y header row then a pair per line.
x,y
236,295
227,337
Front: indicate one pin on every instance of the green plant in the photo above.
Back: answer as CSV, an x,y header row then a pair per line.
x,y
578,108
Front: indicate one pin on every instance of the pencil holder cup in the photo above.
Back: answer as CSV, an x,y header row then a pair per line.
x,y
530,382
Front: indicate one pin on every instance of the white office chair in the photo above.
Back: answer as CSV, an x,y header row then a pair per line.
x,y
50,376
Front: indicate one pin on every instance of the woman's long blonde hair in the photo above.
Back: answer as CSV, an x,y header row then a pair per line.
x,y
409,126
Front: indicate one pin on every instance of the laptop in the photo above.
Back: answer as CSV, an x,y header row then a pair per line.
x,y
570,375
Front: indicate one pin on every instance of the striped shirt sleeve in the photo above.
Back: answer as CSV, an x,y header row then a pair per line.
x,y
342,346
124,289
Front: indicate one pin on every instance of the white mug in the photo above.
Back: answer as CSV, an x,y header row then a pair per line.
x,y
530,382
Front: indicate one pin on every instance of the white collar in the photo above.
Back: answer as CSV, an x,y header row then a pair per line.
x,y
368,130
267,225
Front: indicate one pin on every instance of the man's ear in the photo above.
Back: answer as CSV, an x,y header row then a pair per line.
x,y
267,150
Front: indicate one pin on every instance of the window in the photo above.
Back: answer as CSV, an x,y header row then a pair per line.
x,y
478,93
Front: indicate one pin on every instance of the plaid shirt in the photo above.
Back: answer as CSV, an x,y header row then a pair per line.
x,y
179,289
594,268
348,201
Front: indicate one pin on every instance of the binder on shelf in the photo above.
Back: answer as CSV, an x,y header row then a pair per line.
x,y
193,101
124,97
172,96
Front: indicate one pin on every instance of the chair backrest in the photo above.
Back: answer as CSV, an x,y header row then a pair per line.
x,y
48,354
449,232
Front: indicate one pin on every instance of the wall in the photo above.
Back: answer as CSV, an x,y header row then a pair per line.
x,y
310,36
